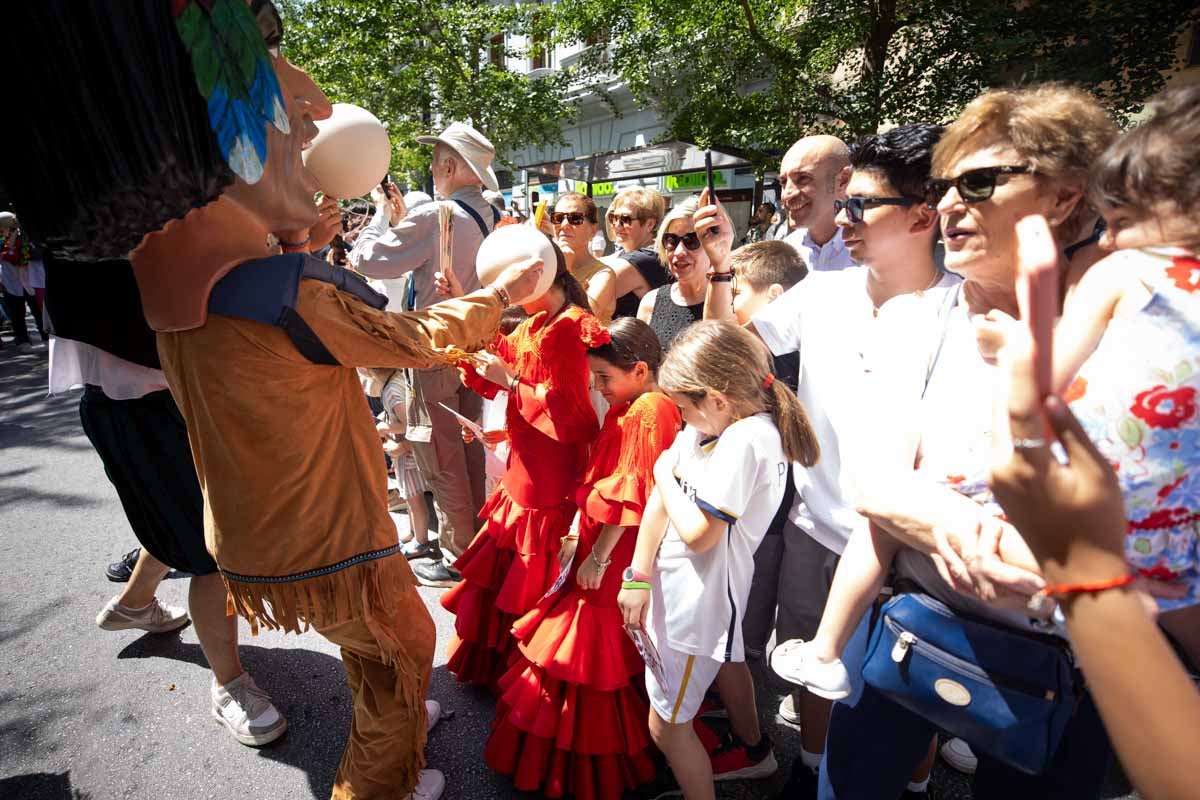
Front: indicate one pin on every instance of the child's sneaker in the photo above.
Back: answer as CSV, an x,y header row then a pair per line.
x,y
795,662
737,761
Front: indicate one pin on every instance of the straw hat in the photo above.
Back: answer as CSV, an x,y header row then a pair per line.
x,y
472,146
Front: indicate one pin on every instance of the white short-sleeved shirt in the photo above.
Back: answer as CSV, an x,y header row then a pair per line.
x,y
699,599
846,350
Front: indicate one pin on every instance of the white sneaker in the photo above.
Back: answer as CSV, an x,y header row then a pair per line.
x,y
788,711
430,785
247,711
154,618
433,713
795,662
957,753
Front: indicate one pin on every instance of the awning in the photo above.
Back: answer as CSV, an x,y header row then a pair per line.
x,y
651,161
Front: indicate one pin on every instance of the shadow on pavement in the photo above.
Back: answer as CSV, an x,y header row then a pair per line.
x,y
40,786
309,688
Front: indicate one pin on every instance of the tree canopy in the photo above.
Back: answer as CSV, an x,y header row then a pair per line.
x,y
755,74
413,64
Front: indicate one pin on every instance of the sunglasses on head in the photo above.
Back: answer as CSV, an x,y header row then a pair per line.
x,y
856,206
573,217
974,185
690,240
623,219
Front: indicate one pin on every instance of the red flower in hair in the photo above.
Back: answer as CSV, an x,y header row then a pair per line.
x,y
1185,271
1161,407
592,332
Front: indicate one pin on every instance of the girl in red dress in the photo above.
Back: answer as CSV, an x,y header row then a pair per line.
x,y
550,420
572,713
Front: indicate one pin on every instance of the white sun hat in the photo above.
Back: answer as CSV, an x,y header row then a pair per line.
x,y
472,146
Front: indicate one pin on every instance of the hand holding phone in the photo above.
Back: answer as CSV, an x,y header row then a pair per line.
x,y
1037,294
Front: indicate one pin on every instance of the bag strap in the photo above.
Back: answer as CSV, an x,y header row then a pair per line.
x,y
948,305
483,228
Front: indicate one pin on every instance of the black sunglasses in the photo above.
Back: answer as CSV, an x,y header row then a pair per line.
x,y
974,185
573,217
855,206
690,240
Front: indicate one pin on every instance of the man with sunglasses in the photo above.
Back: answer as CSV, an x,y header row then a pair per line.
x,y
812,174
841,322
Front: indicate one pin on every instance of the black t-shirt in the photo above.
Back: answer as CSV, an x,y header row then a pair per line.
x,y
646,262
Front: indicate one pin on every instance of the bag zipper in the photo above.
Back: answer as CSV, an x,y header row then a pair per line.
x,y
1046,639
906,642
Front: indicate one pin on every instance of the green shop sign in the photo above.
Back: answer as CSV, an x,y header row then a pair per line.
x,y
598,189
693,181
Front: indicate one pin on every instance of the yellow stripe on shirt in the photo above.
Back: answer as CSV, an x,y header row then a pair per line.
x,y
687,675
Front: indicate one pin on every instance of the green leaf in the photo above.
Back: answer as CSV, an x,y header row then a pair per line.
x,y
1130,431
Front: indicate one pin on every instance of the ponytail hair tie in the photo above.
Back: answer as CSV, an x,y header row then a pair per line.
x,y
767,381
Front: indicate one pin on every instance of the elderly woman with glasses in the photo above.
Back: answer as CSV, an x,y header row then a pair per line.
x,y
671,308
1010,155
630,222
575,222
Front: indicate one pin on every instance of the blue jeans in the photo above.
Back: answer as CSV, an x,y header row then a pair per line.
x,y
873,745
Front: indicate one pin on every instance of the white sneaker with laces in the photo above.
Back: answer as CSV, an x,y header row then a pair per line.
x,y
957,753
795,662
247,711
154,618
430,785
433,713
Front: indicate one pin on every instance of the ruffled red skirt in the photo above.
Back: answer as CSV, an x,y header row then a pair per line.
x,y
508,568
572,714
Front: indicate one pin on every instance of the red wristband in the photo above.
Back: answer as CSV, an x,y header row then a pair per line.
x,y
1088,588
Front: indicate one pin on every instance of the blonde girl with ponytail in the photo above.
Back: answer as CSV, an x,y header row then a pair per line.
x,y
716,490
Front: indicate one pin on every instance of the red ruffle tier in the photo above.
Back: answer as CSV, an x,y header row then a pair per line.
x,y
572,715
509,566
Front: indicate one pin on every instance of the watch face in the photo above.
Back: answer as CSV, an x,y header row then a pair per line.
x,y
628,575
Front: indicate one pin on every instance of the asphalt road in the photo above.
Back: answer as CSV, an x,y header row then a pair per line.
x,y
91,714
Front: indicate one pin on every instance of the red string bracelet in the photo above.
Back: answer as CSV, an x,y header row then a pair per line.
x,y
1087,588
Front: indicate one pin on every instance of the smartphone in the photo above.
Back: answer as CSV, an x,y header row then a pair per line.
x,y
383,184
1037,294
712,190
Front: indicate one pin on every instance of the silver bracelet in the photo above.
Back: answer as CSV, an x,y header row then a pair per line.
x,y
600,564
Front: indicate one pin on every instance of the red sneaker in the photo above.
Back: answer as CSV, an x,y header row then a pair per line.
x,y
735,761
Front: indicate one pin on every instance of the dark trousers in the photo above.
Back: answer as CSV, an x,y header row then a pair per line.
x,y
15,306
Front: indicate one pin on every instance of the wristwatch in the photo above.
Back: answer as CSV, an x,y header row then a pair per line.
x,y
631,574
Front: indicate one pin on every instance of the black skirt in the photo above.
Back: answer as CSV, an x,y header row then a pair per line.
x,y
144,446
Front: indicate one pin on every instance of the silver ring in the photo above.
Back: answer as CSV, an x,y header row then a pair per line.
x,y
1028,444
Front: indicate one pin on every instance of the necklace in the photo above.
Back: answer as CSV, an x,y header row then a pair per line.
x,y
937,278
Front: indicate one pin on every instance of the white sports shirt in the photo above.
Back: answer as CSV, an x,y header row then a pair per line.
x,y
739,477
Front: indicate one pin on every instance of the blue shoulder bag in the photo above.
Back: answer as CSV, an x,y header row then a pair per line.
x,y
1008,693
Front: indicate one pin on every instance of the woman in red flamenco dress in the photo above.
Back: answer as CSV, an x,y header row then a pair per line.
x,y
571,718
551,422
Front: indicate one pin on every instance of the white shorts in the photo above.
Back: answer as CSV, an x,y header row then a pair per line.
x,y
688,678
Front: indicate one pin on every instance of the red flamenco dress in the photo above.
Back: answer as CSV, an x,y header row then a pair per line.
x,y
513,560
572,713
